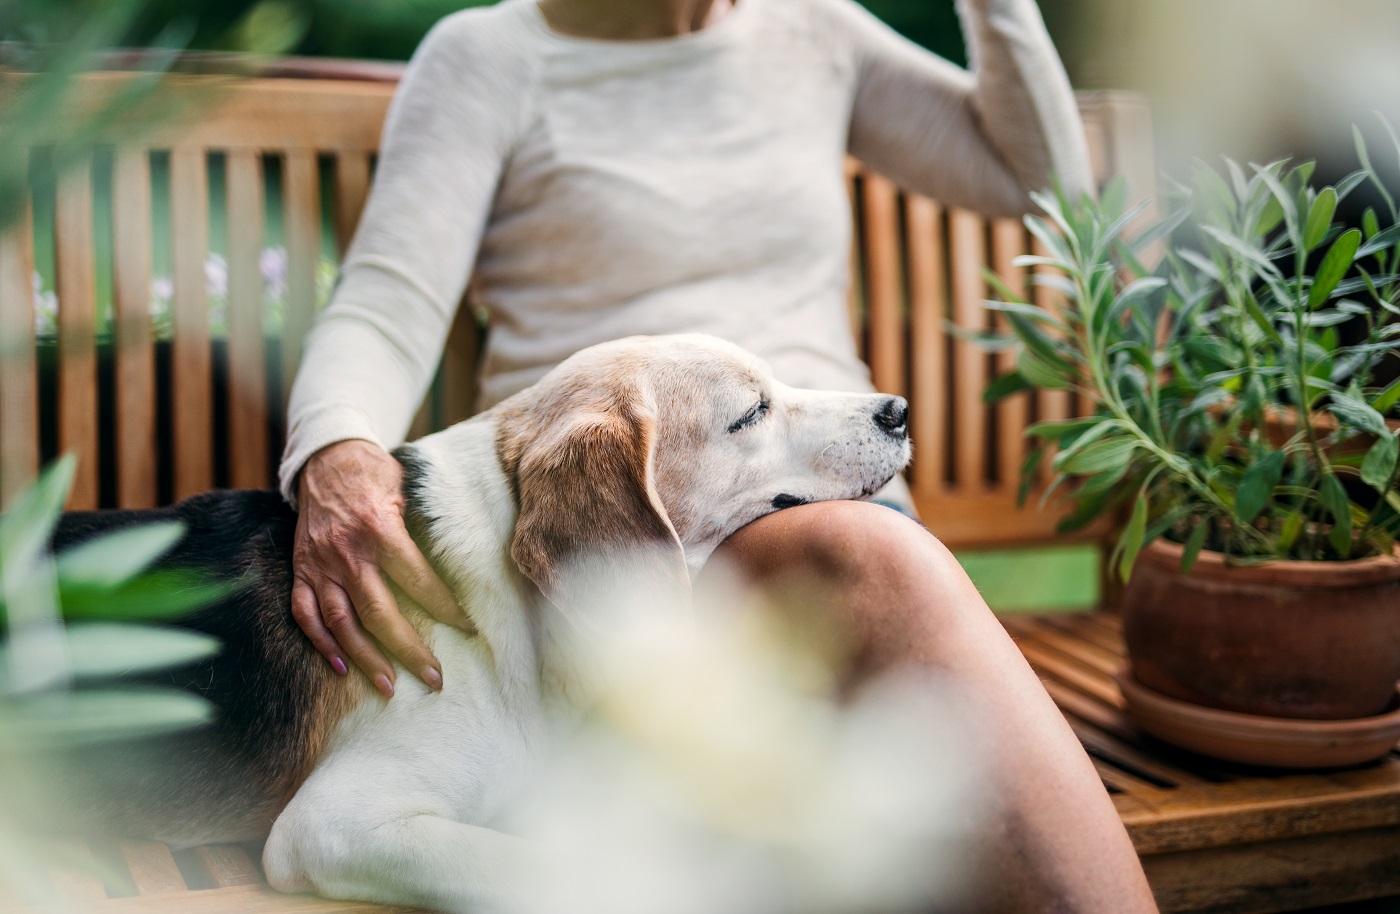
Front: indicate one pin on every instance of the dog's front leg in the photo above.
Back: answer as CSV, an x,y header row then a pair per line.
x,y
421,860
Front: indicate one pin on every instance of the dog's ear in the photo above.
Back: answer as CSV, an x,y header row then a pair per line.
x,y
590,517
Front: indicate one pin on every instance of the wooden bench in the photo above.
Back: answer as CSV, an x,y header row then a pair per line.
x,y
157,419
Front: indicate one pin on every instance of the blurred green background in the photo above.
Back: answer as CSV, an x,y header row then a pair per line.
x,y
386,29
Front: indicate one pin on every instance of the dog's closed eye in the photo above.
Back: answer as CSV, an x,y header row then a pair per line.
x,y
756,412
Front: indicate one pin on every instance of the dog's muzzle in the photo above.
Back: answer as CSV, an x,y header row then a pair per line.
x,y
893,417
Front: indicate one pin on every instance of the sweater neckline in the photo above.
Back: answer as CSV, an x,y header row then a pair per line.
x,y
717,33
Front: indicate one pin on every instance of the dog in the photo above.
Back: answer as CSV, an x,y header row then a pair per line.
x,y
631,461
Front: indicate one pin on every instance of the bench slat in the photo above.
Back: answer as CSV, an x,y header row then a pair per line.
x,y
928,341
152,868
19,375
228,865
192,382
76,284
884,285
75,880
301,213
135,413
351,190
1013,413
247,376
967,253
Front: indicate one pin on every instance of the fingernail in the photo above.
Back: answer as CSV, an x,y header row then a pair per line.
x,y
382,683
433,678
339,666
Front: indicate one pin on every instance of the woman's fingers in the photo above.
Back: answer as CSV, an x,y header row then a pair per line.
x,y
307,613
379,613
340,616
407,567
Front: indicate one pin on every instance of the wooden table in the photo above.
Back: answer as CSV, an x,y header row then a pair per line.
x,y
1215,836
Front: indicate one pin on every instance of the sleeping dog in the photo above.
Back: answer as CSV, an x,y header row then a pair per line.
x,y
632,460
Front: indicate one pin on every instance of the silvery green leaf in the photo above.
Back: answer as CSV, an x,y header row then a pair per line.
x,y
1334,266
1319,218
1378,467
74,718
1357,413
100,649
25,529
115,558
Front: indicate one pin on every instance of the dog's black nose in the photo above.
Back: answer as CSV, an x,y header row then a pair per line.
x,y
893,416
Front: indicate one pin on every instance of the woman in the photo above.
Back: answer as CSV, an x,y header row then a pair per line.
x,y
600,168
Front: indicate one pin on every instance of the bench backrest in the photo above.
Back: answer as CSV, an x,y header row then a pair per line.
x,y
270,175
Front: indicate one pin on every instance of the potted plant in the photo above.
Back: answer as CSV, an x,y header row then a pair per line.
x,y
1241,431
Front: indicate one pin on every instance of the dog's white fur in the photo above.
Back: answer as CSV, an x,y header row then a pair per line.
x,y
398,808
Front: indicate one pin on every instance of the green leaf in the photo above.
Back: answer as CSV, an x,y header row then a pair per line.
x,y
162,594
1380,241
1334,499
1260,318
1387,398
75,718
1288,534
1130,543
1194,542
115,558
1334,266
1357,413
1257,485
1055,430
1038,373
1378,469
1319,218
1101,455
1370,223
1004,386
101,649
26,528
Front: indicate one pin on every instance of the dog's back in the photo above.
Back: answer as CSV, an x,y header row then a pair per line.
x,y
275,701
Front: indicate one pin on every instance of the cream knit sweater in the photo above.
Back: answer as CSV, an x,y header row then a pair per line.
x,y
596,189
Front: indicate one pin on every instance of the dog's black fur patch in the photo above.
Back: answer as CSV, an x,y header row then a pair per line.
x,y
789,501
263,684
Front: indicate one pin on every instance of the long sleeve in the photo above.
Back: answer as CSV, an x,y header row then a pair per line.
x,y
373,350
983,138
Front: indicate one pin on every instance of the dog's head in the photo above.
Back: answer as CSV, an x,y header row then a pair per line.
x,y
650,451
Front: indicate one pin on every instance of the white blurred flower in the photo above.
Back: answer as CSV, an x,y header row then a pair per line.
x,y
272,263
718,772
216,276
45,308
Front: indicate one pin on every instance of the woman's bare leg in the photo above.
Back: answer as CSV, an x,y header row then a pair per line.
x,y
1054,841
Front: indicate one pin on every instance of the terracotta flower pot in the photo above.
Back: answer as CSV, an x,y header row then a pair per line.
x,y
1312,640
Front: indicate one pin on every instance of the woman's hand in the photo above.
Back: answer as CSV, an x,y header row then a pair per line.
x,y
350,534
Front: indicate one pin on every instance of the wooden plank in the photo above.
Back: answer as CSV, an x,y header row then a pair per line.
x,y
1118,779
301,213
238,899
1278,876
228,865
192,381
1121,754
247,374
215,112
1055,405
19,375
967,253
74,880
459,366
1055,665
1012,413
1081,651
883,286
928,340
152,868
135,373
1075,627
976,518
1265,807
76,283
351,191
